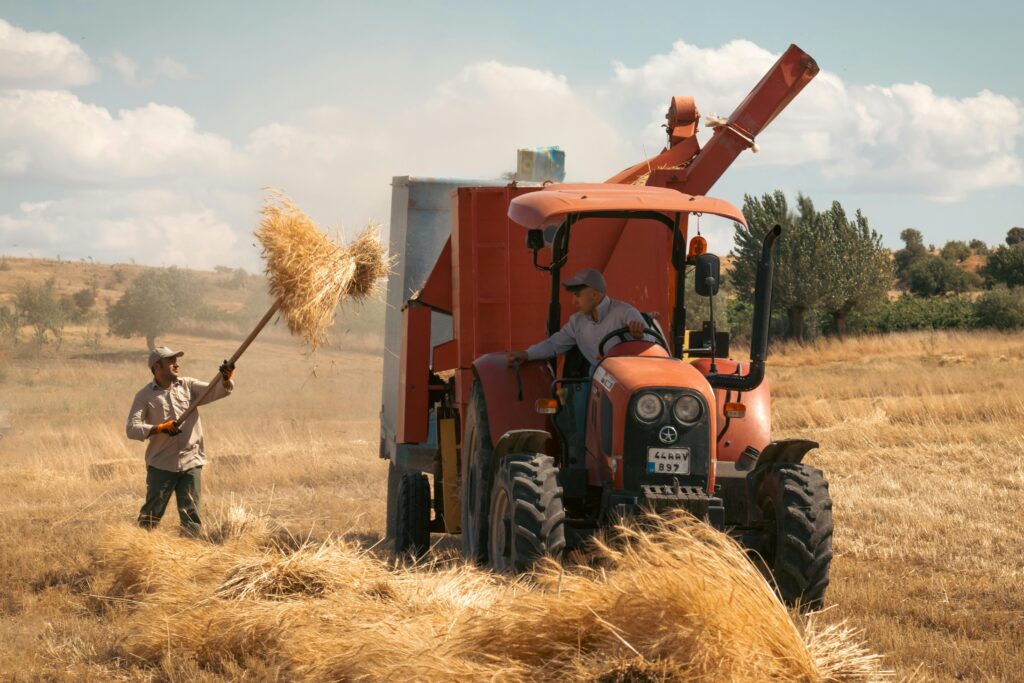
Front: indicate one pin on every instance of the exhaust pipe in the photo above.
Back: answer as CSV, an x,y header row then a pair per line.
x,y
762,319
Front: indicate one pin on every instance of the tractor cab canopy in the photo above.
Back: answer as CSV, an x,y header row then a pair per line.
x,y
554,203
551,214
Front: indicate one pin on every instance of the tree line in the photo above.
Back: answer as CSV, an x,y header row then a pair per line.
x,y
833,276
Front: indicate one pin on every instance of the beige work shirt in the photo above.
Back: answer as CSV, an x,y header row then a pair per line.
x,y
154,405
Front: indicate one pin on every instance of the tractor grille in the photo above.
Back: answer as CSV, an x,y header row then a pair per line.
x,y
641,436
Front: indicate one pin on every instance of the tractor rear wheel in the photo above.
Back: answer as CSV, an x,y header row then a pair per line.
x,y
797,542
412,515
526,516
394,476
477,477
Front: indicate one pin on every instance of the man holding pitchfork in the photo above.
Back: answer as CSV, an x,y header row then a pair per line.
x,y
174,454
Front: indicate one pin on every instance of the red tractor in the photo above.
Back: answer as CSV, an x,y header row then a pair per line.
x,y
530,460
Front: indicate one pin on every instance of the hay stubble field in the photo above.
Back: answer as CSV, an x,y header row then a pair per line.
x,y
921,441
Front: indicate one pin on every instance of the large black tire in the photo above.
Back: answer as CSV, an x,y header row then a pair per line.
x,y
477,477
438,485
412,515
394,476
797,542
526,517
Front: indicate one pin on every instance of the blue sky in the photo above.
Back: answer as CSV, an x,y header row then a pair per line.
x,y
124,126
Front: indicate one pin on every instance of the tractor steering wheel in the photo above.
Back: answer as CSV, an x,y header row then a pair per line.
x,y
622,333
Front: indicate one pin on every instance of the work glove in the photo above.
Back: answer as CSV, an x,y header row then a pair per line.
x,y
227,368
170,428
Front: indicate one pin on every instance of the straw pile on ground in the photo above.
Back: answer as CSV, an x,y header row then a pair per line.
x,y
676,601
309,274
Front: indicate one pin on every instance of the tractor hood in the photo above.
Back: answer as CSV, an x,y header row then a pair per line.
x,y
552,204
632,373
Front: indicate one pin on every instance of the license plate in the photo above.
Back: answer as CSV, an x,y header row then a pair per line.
x,y
668,460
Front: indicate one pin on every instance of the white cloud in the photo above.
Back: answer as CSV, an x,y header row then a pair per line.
x,y
897,138
168,67
153,227
338,163
37,59
53,135
475,122
125,181
126,67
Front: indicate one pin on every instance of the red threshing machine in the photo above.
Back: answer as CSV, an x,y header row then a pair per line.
x,y
530,460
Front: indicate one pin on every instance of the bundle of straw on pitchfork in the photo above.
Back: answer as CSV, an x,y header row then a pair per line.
x,y
309,275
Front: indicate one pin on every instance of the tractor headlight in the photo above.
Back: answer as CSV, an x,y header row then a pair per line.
x,y
648,407
686,409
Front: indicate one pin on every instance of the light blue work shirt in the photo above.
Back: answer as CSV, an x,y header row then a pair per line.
x,y
586,333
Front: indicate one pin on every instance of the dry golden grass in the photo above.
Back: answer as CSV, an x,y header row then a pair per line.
x,y
309,276
920,439
672,600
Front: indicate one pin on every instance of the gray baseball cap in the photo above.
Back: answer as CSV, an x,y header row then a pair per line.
x,y
161,352
587,277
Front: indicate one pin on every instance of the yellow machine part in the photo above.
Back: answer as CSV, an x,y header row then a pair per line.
x,y
450,475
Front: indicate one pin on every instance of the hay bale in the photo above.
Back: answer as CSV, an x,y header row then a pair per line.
x,y
309,274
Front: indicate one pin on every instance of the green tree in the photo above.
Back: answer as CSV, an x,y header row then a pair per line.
x,y
1001,308
825,263
856,270
1006,265
910,312
978,246
934,275
1014,236
153,304
955,250
41,307
797,286
913,250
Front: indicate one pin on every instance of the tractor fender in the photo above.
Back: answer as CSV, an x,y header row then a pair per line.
x,y
508,408
787,451
521,441
754,430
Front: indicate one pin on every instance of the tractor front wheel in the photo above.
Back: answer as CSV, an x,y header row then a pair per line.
x,y
797,533
527,520
412,515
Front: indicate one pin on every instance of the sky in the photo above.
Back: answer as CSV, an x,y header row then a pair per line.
x,y
146,132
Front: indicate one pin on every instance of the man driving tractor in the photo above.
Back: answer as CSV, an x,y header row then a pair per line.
x,y
598,315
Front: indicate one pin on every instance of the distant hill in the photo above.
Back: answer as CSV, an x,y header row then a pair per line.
x,y
232,301
228,288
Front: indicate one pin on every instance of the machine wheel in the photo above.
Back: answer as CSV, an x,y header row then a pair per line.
x,y
438,494
412,514
477,477
797,543
394,476
526,517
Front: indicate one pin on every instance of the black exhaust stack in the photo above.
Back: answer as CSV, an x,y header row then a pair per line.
x,y
762,318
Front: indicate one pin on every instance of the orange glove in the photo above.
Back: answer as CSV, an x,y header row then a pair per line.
x,y
170,427
226,369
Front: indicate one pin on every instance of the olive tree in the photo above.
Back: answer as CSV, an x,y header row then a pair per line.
x,y
856,270
796,291
824,262
153,304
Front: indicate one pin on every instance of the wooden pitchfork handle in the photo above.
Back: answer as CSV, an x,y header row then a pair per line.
x,y
238,354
